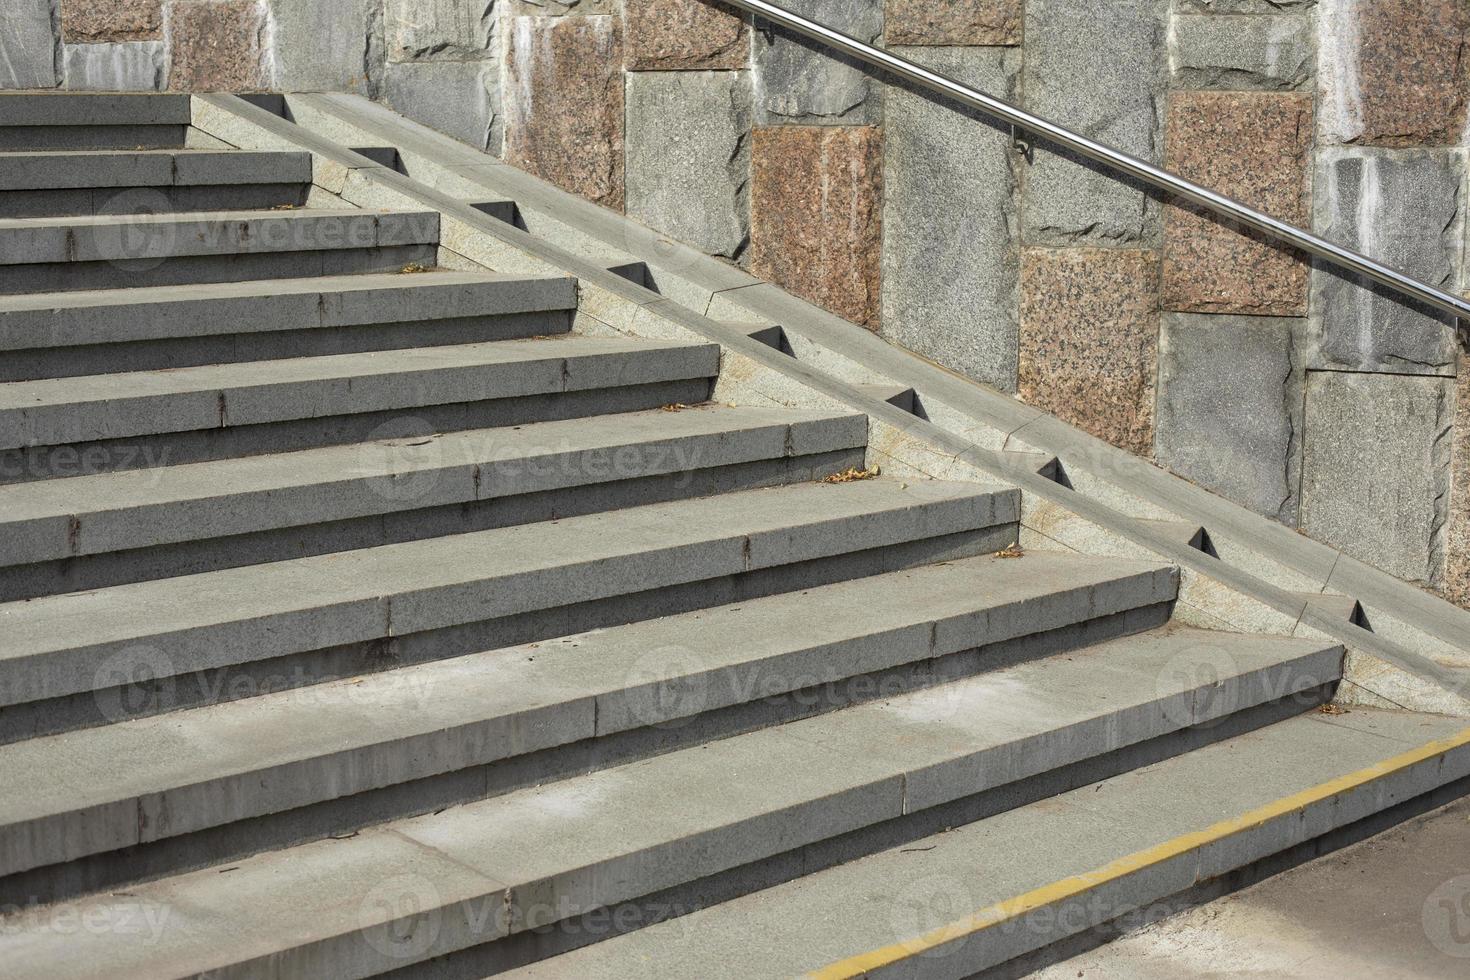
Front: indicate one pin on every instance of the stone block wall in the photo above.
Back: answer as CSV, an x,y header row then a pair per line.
x,y
1287,387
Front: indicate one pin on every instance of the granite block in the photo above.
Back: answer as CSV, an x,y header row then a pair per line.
x,y
674,35
815,203
439,30
1456,586
1089,339
949,212
563,102
1394,72
1243,52
328,47
457,98
28,48
955,22
798,82
90,21
219,46
131,66
1402,207
1230,407
1254,147
1375,468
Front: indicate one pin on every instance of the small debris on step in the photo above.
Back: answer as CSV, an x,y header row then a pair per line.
x,y
286,207
1331,709
1014,551
673,407
413,268
851,475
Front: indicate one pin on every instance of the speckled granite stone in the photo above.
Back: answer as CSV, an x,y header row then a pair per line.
x,y
1230,407
85,21
1256,148
815,196
1273,54
798,82
1376,468
1394,72
1457,531
1089,339
953,21
563,103
27,45
670,35
219,46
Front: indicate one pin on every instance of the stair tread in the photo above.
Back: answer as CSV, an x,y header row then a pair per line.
x,y
135,508
94,109
547,848
532,696
211,396
886,898
257,611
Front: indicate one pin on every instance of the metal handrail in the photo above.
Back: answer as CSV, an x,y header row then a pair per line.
x,y
1142,170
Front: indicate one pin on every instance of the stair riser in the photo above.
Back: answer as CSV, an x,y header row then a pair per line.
x,y
55,277
155,355
521,949
290,814
134,137
87,201
206,554
208,686
172,449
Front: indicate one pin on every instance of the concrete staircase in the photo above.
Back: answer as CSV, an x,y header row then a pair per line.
x,y
359,622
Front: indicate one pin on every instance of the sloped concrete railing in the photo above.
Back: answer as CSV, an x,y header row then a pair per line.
x,y
1141,170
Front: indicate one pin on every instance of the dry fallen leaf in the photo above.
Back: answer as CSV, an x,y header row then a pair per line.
x,y
412,268
1331,709
1014,551
851,475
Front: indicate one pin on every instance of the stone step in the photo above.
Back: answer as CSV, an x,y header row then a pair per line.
x,y
212,411
95,531
37,184
54,335
75,121
43,255
536,857
87,643
278,752
962,902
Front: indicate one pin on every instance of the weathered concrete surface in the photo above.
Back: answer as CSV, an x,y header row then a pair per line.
x,y
219,46
688,157
89,21
1256,148
1089,337
28,54
1394,72
564,104
1230,406
1395,905
451,30
459,98
949,217
815,194
669,35
1268,53
1375,468
1402,207
130,66
328,47
958,22
1099,67
795,83
1456,585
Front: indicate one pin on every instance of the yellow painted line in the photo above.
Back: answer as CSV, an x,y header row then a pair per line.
x,y
1059,891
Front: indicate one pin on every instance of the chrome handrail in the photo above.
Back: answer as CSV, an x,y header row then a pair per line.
x,y
1142,170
